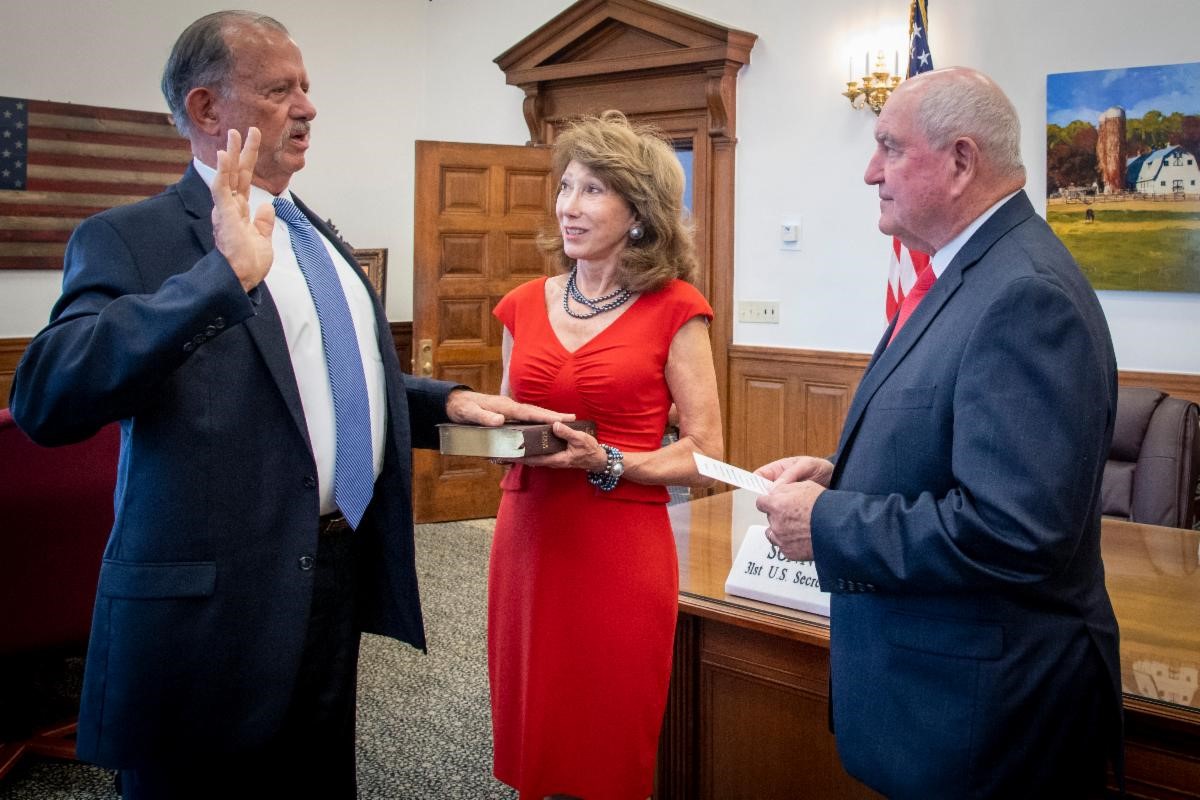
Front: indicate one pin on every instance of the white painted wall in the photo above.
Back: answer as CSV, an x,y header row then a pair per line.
x,y
386,73
365,59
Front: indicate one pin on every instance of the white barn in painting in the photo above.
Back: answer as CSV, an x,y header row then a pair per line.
x,y
1171,170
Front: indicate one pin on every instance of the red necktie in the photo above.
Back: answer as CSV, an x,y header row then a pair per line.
x,y
924,281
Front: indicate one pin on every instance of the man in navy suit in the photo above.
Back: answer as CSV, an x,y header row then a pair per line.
x,y
973,647
233,591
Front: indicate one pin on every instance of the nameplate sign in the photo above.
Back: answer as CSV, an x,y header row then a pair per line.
x,y
762,572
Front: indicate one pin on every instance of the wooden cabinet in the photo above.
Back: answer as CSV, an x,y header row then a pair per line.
x,y
747,718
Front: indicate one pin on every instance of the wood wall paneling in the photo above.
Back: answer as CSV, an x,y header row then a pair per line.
x,y
11,351
402,337
786,401
763,407
1176,384
783,401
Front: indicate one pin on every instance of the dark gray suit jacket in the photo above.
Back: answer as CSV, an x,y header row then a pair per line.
x,y
961,535
203,599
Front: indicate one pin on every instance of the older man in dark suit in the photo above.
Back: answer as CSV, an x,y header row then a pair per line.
x,y
973,644
264,499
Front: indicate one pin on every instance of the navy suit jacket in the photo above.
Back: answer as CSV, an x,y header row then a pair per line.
x,y
960,537
203,598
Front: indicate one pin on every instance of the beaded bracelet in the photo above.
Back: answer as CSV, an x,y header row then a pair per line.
x,y
606,481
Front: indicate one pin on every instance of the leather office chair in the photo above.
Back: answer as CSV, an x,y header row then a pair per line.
x,y
56,508
1154,463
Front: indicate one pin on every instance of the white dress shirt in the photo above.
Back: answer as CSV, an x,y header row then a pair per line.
x,y
302,330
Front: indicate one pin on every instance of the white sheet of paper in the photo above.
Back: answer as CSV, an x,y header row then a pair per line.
x,y
727,473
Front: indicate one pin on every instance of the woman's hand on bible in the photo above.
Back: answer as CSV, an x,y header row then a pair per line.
x,y
583,452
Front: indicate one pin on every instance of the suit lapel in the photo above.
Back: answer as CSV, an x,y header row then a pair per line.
x,y
265,327
888,357
197,200
266,330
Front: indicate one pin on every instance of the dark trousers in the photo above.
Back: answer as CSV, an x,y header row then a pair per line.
x,y
312,755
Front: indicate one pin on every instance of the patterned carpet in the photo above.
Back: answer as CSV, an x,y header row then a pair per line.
x,y
424,727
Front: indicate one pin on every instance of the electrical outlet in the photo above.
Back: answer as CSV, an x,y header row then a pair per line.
x,y
758,311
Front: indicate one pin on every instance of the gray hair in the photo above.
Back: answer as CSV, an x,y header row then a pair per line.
x,y
201,57
968,103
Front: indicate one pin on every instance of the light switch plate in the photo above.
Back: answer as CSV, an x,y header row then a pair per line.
x,y
791,233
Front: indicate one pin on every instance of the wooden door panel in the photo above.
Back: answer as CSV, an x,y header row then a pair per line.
x,y
523,260
479,209
526,191
463,254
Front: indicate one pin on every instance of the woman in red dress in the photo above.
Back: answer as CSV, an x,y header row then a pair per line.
x,y
583,582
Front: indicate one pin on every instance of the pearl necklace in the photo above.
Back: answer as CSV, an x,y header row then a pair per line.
x,y
614,299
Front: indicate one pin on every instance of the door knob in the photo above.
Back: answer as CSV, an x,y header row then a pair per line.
x,y
425,357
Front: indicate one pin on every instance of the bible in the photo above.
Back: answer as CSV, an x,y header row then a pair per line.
x,y
510,440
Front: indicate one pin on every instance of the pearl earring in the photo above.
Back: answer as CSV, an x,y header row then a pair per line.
x,y
636,232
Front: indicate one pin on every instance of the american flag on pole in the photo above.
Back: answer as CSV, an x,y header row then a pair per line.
x,y
906,264
62,162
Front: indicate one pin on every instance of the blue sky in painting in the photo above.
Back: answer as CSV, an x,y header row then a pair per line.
x,y
1086,95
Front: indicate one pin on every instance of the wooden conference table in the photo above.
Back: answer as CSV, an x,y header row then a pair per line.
x,y
747,717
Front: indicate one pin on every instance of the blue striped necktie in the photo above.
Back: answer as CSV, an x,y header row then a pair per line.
x,y
353,466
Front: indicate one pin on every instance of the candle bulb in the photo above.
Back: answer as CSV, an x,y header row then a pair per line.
x,y
867,63
896,68
850,70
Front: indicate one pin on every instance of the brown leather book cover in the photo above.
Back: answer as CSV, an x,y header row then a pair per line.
x,y
510,440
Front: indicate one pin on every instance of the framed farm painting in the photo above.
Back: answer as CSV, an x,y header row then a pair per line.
x,y
1123,175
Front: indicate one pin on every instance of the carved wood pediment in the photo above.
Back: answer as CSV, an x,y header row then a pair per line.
x,y
612,39
598,37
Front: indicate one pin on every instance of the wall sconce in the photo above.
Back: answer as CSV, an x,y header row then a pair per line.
x,y
877,84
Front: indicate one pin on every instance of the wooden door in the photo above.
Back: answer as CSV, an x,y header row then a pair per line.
x,y
478,210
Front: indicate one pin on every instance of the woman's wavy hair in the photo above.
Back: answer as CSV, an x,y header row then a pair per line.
x,y
638,164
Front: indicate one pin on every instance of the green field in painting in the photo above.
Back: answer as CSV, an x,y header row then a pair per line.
x,y
1133,244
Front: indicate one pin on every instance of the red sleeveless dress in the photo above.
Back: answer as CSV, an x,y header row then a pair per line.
x,y
583,585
